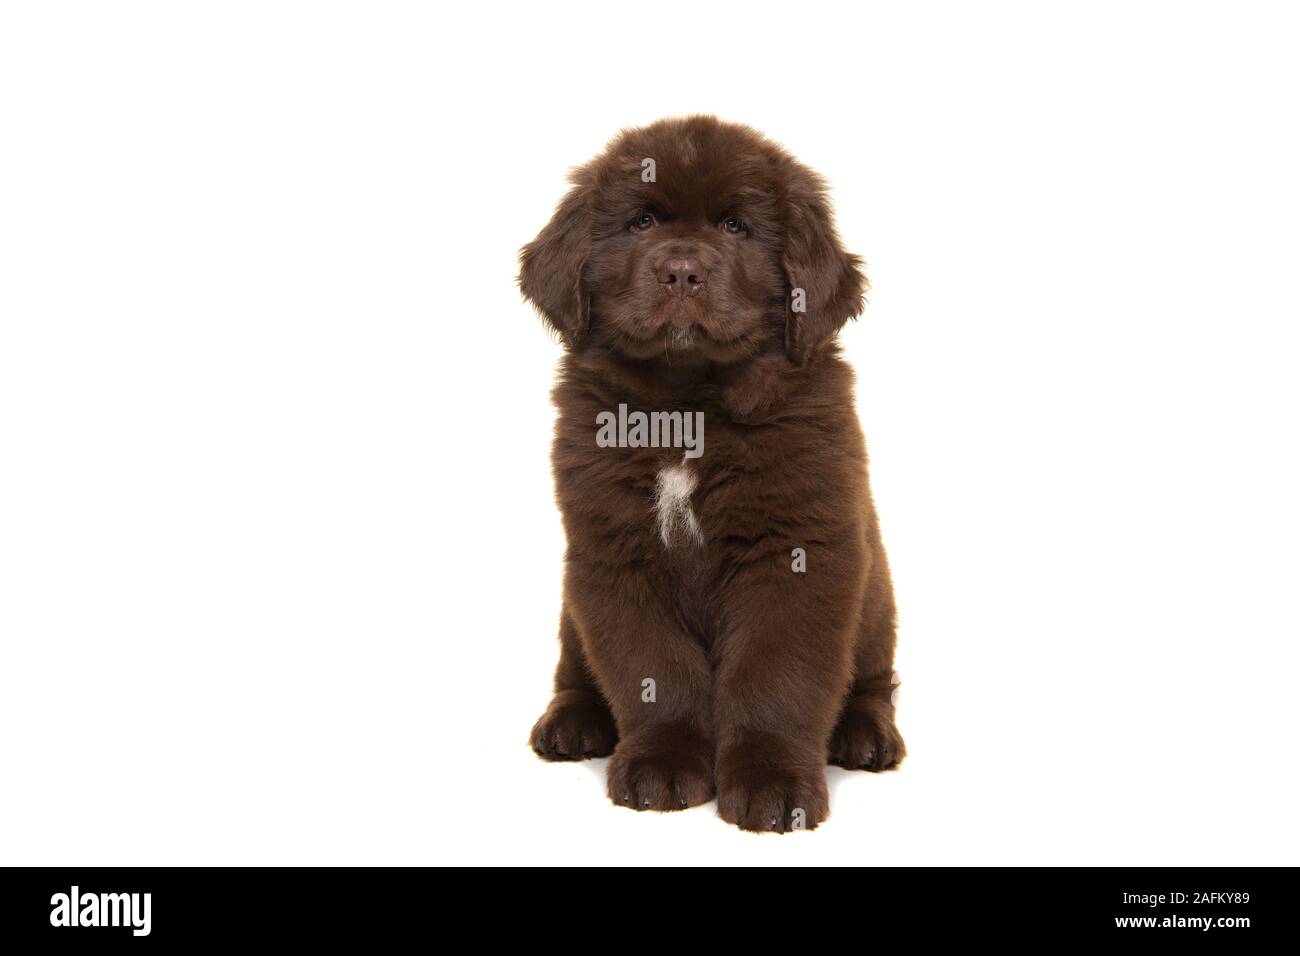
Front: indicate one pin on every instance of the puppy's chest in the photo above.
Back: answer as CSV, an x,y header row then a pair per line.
x,y
666,501
673,507
694,503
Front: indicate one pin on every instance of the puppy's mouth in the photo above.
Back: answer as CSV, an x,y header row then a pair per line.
x,y
678,322
682,318
681,337
685,328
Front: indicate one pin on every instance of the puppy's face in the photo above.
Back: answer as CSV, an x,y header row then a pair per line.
x,y
690,261
693,239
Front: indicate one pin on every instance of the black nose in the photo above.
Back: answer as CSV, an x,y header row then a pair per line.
x,y
683,276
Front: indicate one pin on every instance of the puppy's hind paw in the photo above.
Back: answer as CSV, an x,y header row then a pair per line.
x,y
576,726
865,737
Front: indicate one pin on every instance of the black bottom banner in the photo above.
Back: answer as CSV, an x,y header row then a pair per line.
x,y
135,907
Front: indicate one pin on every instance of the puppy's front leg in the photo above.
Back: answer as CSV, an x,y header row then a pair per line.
x,y
783,670
657,680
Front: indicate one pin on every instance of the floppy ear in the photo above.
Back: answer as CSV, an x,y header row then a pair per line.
x,y
550,267
826,282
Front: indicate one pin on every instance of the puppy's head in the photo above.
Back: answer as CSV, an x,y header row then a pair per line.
x,y
694,237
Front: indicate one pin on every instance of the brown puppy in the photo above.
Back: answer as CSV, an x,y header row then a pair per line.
x,y
728,618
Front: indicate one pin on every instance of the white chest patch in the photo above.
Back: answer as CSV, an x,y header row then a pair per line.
x,y
672,503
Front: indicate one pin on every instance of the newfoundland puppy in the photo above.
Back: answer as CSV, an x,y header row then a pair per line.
x,y
728,620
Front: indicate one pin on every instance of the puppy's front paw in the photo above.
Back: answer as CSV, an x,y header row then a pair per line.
x,y
865,737
771,789
576,726
661,769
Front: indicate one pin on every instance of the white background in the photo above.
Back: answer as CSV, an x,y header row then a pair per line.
x,y
279,558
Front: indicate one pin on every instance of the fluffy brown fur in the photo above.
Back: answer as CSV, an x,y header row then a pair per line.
x,y
681,294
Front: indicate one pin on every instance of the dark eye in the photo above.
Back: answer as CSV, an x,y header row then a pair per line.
x,y
733,224
643,221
